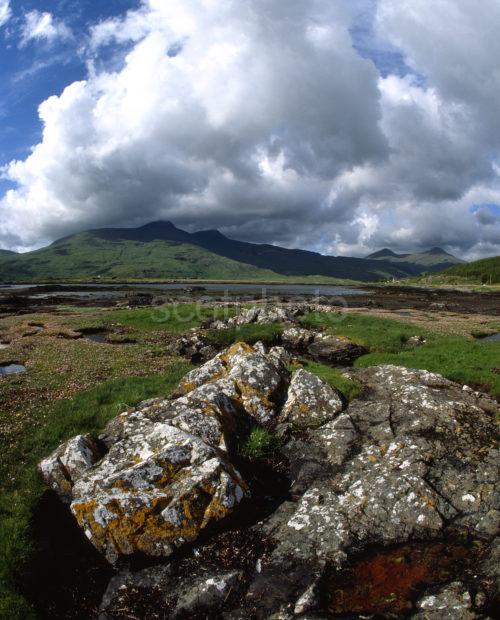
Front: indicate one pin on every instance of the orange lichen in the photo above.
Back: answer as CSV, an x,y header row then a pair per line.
x,y
144,528
237,347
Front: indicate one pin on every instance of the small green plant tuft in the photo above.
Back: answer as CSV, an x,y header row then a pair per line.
x,y
258,444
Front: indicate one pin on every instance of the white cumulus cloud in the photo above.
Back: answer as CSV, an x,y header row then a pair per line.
x,y
262,119
43,26
5,12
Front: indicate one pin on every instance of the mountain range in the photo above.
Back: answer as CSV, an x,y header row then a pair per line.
x,y
160,250
434,259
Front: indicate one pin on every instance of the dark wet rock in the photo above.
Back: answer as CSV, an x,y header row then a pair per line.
x,y
144,592
135,300
204,593
334,350
161,592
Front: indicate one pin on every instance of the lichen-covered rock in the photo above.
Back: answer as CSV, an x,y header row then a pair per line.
x,y
195,347
164,471
310,402
267,314
412,461
452,602
415,458
259,380
68,463
297,338
424,449
153,491
261,383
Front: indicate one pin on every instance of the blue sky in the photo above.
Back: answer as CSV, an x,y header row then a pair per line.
x,y
32,72
342,126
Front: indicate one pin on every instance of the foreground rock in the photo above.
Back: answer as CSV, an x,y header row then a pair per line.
x,y
392,508
414,460
159,475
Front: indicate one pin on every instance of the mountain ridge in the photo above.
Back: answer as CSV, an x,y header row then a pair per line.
x,y
432,260
161,250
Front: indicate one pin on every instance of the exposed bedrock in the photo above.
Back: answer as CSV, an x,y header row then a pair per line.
x,y
392,504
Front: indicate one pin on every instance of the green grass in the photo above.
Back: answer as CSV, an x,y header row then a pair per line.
x,y
348,388
174,318
266,333
86,411
455,357
258,444
377,334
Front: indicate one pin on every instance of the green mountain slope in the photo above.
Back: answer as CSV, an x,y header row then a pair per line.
x,y
435,259
160,250
280,260
485,271
87,256
7,253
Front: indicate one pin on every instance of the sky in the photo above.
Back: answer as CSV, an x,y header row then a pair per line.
x,y
342,126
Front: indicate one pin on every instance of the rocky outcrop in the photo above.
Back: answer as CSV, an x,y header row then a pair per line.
x,y
392,508
310,401
157,476
194,347
322,347
264,314
414,459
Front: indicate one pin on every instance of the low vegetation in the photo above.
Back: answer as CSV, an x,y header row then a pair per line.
x,y
258,444
334,377
458,358
251,333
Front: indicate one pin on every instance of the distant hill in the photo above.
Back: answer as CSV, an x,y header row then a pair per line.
x,y
7,253
435,259
160,250
485,271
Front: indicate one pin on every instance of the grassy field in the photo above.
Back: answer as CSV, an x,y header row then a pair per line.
x,y
456,357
